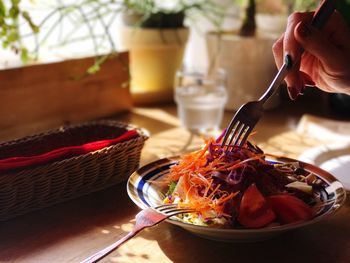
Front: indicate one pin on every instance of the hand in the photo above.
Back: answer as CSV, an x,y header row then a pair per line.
x,y
326,58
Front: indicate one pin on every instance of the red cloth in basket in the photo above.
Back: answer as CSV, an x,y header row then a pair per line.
x,y
19,162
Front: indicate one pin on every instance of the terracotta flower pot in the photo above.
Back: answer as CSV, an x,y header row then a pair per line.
x,y
155,56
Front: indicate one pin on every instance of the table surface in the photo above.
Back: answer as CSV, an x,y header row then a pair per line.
x,y
72,231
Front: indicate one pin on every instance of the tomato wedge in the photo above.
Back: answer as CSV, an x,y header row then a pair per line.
x,y
290,209
254,211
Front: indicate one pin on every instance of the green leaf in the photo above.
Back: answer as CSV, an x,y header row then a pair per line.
x,y
24,55
171,189
13,36
3,31
2,9
29,20
15,2
93,69
14,11
5,44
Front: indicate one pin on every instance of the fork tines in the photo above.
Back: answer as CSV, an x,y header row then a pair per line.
x,y
236,135
172,209
239,134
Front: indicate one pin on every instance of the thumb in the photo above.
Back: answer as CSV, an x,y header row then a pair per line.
x,y
314,42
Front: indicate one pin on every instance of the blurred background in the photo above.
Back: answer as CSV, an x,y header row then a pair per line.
x,y
157,38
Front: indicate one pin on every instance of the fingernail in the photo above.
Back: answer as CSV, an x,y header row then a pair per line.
x,y
293,93
288,61
305,30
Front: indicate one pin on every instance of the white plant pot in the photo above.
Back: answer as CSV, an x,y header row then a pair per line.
x,y
155,56
274,24
249,64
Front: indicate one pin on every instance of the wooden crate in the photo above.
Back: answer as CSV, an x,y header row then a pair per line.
x,y
41,97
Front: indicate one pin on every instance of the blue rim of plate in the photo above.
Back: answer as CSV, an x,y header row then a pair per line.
x,y
144,191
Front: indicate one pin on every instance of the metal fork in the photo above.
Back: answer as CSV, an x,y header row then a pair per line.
x,y
145,218
249,114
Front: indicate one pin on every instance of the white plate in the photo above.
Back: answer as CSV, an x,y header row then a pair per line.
x,y
334,158
144,189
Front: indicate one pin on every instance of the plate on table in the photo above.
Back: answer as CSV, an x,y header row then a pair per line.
x,y
145,190
333,158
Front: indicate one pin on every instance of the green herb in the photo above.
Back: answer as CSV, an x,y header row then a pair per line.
x,y
171,189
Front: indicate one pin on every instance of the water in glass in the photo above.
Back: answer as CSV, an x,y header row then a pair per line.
x,y
200,100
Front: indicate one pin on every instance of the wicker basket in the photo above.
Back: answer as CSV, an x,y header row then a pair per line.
x,y
34,188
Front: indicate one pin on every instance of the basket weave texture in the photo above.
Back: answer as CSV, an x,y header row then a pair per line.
x,y
41,186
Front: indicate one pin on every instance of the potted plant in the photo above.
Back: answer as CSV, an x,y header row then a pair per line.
x,y
154,32
67,99
39,96
156,36
156,40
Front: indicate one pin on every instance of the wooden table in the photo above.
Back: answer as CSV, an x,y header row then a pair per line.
x,y
71,231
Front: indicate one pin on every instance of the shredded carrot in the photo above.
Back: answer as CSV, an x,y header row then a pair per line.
x,y
212,180
197,170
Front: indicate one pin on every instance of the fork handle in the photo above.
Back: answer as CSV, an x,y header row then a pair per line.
x,y
281,74
323,12
321,15
107,250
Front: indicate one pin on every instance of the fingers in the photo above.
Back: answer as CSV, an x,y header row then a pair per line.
x,y
290,45
294,81
277,50
307,79
337,30
287,44
336,26
314,42
325,57
327,46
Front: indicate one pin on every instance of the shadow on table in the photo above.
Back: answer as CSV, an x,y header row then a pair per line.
x,y
327,241
92,219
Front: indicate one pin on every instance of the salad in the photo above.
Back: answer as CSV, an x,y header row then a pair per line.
x,y
239,188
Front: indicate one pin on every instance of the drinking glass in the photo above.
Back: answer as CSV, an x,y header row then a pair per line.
x,y
201,99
